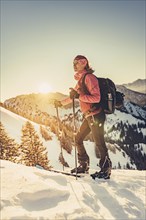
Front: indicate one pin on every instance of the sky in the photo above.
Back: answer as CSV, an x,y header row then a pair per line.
x,y
39,40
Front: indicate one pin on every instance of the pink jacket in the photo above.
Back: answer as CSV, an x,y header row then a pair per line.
x,y
85,100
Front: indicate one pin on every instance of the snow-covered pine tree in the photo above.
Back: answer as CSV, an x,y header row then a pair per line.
x,y
9,149
62,160
45,134
34,153
53,126
65,142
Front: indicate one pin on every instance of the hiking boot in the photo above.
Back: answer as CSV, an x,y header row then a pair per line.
x,y
94,175
84,164
105,171
104,174
80,169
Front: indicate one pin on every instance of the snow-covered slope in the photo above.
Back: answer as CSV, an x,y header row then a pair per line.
x,y
13,125
135,110
28,193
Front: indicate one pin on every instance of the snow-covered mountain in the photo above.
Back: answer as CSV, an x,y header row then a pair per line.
x,y
133,96
13,125
139,85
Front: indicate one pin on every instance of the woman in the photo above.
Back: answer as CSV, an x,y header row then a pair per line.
x,y
94,118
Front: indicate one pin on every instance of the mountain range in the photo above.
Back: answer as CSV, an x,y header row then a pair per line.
x,y
139,85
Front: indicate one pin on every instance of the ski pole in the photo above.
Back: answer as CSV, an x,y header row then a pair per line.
x,y
58,121
73,102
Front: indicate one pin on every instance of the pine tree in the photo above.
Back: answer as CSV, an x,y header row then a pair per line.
x,y
62,160
128,166
119,165
65,142
9,149
34,153
45,134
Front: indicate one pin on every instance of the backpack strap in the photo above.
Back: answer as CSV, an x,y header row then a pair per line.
x,y
84,87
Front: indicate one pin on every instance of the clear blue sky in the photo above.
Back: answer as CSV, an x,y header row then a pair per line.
x,y
39,40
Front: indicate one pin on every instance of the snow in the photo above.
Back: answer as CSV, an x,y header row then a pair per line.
x,y
13,125
124,117
32,193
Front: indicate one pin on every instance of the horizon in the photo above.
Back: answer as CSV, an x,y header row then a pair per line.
x,y
37,50
45,92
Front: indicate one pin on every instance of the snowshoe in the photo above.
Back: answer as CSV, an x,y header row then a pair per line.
x,y
84,162
105,171
101,175
80,169
94,175
104,174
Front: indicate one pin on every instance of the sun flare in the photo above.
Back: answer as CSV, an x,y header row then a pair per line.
x,y
44,88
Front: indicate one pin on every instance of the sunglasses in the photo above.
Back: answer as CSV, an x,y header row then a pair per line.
x,y
80,61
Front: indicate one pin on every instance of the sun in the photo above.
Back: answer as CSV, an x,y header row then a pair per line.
x,y
44,88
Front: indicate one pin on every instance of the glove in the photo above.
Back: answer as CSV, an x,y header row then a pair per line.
x,y
57,104
73,94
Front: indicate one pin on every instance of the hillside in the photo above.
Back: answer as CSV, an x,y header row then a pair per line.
x,y
11,120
